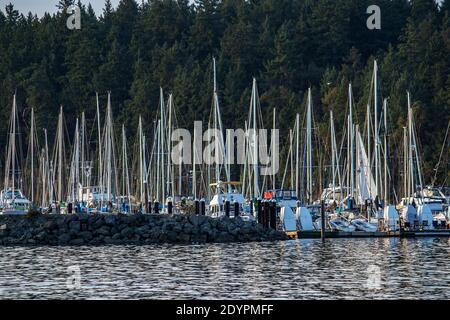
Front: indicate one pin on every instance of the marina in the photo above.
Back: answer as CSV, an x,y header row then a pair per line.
x,y
231,157
360,200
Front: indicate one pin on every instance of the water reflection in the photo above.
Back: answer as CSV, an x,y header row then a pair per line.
x,y
386,268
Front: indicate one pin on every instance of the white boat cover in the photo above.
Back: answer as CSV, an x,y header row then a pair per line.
x,y
424,214
409,214
304,219
288,218
391,218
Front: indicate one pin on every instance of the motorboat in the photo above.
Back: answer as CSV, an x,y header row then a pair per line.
x,y
227,191
282,197
13,202
333,193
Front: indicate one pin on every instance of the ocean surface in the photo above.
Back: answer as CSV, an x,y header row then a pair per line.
x,y
387,268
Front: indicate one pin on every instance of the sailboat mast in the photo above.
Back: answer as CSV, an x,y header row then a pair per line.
x,y
141,163
99,143
162,145
405,164
291,155
194,178
170,185
351,140
375,115
309,147
333,160
410,146
83,169
60,154
108,148
215,110
255,144
32,154
273,147
297,155
48,170
369,155
386,195
13,156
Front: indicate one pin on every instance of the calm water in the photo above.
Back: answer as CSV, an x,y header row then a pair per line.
x,y
302,269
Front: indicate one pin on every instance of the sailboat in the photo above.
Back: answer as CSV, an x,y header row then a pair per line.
x,y
415,206
12,199
108,182
225,196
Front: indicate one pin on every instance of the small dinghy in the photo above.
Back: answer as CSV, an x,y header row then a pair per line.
x,y
341,225
304,219
363,225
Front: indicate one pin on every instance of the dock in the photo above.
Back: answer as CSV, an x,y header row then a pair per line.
x,y
340,234
378,234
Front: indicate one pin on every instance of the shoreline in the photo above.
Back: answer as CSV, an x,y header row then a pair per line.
x,y
139,229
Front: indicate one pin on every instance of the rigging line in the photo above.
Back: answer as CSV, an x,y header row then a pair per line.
x,y
440,155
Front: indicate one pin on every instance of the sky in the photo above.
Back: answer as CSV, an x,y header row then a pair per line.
x,y
39,7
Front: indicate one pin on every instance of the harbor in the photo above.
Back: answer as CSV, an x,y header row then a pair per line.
x,y
359,198
225,158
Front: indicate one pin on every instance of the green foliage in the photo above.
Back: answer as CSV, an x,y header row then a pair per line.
x,y
288,45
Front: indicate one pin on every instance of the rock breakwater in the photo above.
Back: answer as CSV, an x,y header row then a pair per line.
x,y
100,229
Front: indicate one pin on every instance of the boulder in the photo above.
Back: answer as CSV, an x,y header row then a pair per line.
x,y
197,220
183,238
74,225
117,236
97,223
64,238
76,242
50,225
224,237
127,232
104,231
188,228
110,220
172,236
40,237
86,235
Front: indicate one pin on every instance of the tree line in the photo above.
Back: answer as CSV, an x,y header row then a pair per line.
x,y
287,45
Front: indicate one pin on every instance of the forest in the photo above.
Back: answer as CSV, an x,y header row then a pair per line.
x,y
287,45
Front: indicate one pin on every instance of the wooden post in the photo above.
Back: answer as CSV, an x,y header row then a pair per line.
x,y
169,207
202,207
322,220
197,207
227,208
